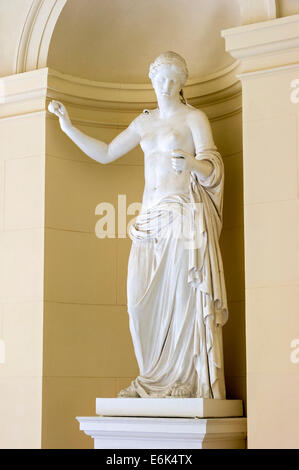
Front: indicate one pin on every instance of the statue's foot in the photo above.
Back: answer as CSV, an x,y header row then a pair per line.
x,y
128,392
181,391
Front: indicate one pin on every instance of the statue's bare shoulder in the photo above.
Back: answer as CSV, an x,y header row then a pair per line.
x,y
144,121
200,127
196,117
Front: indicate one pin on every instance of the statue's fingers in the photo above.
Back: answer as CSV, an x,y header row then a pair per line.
x,y
58,113
177,170
51,107
178,156
59,106
177,163
55,104
56,110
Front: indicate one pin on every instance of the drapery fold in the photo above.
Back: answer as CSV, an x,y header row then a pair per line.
x,y
176,290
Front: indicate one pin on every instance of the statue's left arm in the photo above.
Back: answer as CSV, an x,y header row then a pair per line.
x,y
203,142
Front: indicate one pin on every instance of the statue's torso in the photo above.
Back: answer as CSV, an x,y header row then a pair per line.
x,y
159,137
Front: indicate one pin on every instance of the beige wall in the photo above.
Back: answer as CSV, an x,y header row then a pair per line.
x,y
269,54
228,136
21,278
272,273
87,347
13,16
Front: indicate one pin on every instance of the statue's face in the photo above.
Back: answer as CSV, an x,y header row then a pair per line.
x,y
167,81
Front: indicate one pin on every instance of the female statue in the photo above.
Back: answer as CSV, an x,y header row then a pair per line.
x,y
176,291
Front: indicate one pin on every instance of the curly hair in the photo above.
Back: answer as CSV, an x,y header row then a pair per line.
x,y
170,58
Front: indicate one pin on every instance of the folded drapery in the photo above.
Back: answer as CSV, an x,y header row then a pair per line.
x,y
176,291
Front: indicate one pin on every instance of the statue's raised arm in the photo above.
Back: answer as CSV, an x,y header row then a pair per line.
x,y
94,148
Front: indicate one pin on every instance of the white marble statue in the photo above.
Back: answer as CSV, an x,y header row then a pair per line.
x,y
176,291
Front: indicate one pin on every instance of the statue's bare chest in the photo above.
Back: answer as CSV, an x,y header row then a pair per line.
x,y
163,135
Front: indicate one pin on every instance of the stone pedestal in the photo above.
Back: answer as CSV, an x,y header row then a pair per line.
x,y
177,423
169,407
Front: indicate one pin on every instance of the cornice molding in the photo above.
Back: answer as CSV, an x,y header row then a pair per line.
x,y
98,103
33,85
217,87
269,71
266,45
262,38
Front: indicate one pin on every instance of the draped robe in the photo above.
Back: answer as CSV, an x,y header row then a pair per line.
x,y
176,290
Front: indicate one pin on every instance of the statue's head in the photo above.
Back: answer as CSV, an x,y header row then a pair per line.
x,y
168,66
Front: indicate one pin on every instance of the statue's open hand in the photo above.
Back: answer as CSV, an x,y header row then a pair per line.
x,y
182,161
60,111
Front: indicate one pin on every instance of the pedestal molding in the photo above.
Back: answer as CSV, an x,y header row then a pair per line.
x,y
164,433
